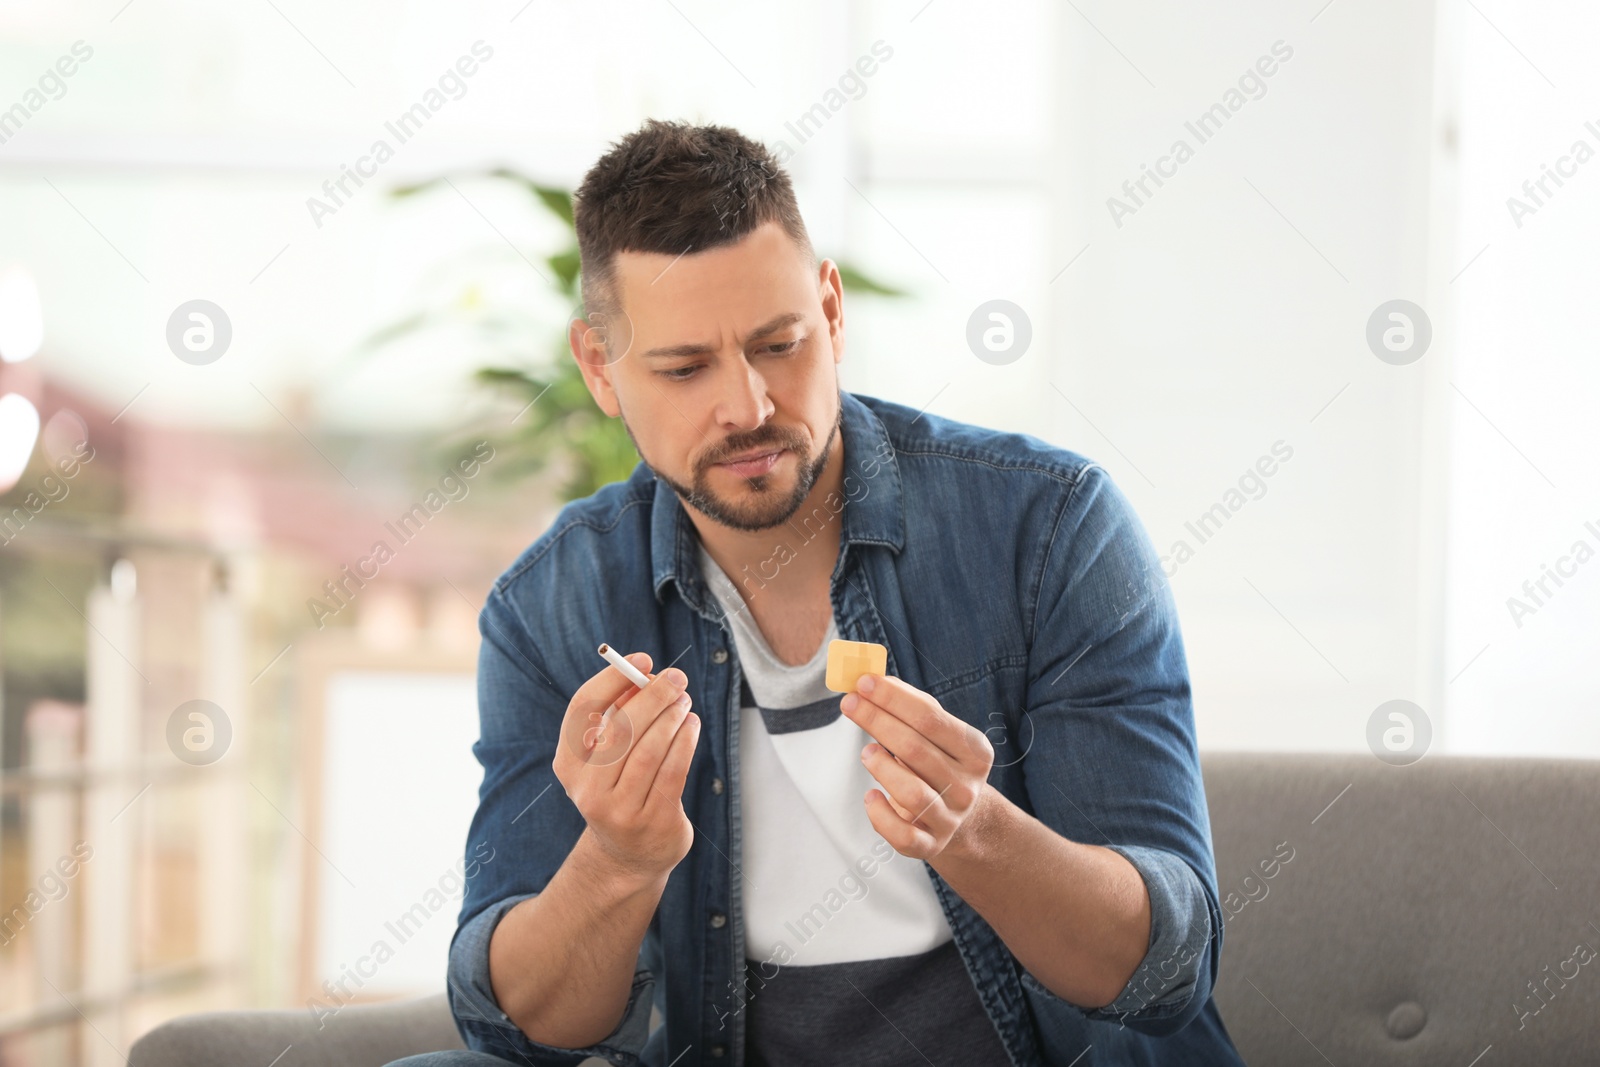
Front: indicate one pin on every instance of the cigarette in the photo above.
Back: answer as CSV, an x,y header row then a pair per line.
x,y
629,671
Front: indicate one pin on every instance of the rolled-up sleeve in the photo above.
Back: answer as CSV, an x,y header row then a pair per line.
x,y
526,818
1114,760
1180,928
488,1029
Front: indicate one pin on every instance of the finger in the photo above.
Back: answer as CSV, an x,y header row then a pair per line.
x,y
673,773
641,707
901,835
588,704
644,758
915,800
628,719
921,712
917,752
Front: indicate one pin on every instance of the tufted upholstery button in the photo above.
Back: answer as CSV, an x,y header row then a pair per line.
x,y
719,1051
716,786
719,656
718,920
1406,1021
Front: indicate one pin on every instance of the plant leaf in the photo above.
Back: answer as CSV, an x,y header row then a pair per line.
x,y
857,281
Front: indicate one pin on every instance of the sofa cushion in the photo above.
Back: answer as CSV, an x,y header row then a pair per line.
x,y
360,1035
1419,904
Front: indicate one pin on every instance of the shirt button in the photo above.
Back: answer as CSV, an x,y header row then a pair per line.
x,y
718,920
716,786
719,1050
719,656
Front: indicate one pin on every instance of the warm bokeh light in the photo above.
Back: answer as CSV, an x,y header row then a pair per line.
x,y
19,432
21,318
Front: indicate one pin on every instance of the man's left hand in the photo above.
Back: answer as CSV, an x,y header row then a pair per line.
x,y
933,767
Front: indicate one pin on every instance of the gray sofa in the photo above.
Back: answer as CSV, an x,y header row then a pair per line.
x,y
1375,915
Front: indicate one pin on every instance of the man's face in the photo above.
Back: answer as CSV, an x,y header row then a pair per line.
x,y
721,355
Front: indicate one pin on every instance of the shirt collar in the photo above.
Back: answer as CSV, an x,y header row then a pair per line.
x,y
873,511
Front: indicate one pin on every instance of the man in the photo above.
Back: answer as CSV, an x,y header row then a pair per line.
x,y
995,852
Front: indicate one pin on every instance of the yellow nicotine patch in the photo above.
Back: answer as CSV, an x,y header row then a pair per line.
x,y
849,660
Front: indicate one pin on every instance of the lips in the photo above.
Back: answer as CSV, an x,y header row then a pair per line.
x,y
759,463
752,455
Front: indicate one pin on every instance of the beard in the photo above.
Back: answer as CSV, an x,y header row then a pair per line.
x,y
758,503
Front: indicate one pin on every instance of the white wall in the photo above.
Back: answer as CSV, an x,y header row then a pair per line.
x,y
1524,487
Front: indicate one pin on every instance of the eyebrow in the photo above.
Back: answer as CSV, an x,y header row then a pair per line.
x,y
788,318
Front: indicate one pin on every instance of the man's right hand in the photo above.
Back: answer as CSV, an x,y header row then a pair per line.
x,y
562,962
627,780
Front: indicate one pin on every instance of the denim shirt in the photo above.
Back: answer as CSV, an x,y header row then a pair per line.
x,y
1008,578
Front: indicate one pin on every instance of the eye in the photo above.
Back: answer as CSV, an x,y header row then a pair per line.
x,y
683,374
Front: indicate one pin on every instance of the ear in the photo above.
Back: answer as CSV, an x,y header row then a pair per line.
x,y
587,341
831,291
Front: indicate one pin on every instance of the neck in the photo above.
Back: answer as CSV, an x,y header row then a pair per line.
x,y
791,559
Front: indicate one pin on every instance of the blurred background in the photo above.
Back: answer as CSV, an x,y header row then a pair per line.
x,y
283,295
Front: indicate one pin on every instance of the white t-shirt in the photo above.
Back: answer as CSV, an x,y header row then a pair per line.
x,y
843,936
805,827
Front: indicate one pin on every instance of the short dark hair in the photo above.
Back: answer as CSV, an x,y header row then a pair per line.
x,y
674,188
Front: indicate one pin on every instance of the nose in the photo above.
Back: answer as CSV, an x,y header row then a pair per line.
x,y
744,404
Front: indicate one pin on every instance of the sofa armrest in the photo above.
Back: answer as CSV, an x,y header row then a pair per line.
x,y
360,1035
